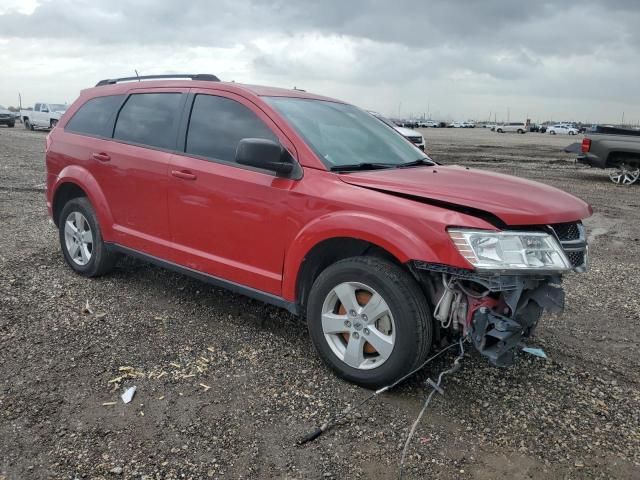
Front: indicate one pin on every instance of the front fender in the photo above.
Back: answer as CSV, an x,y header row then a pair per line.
x,y
82,178
398,240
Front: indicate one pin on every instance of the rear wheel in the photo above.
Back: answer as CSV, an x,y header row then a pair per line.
x,y
520,130
11,125
81,239
625,174
27,124
369,321
499,130
52,123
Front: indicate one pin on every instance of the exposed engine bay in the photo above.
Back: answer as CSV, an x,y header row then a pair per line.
x,y
496,312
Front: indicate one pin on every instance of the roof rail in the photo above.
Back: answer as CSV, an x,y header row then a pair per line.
x,y
193,76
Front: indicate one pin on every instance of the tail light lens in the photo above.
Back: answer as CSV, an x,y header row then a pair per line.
x,y
586,145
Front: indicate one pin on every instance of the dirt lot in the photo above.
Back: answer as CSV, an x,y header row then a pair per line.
x,y
226,384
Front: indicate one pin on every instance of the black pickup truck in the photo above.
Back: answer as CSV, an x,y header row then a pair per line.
x,y
614,148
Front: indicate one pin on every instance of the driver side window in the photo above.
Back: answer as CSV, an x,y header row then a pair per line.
x,y
217,125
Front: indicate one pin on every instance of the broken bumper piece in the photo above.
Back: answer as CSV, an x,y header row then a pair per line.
x,y
497,337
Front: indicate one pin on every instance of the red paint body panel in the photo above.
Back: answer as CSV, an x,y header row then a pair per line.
x,y
514,200
255,229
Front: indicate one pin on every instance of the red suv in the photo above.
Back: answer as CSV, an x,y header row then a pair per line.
x,y
314,205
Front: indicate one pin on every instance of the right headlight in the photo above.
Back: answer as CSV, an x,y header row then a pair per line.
x,y
489,250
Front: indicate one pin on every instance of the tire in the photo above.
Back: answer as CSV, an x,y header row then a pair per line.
x,y
52,123
572,133
404,321
499,130
27,124
11,125
552,132
99,260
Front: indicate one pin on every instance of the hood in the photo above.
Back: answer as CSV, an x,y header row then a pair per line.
x,y
513,200
407,132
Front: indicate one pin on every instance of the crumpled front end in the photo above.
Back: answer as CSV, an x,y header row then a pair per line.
x,y
497,311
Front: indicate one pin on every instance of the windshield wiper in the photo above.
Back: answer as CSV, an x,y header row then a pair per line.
x,y
418,162
362,166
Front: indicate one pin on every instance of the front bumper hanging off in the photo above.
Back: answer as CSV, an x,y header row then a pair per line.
x,y
505,314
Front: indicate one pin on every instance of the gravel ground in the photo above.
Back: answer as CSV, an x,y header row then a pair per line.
x,y
225,384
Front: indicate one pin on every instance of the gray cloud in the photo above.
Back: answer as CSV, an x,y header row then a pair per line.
x,y
485,52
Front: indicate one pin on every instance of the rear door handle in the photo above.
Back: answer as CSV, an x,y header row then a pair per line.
x,y
184,174
101,157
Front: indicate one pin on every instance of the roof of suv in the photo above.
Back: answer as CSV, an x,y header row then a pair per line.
x,y
258,90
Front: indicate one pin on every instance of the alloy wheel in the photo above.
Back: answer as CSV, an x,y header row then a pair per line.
x,y
625,175
358,325
78,238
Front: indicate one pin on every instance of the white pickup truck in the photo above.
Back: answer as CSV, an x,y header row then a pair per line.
x,y
43,115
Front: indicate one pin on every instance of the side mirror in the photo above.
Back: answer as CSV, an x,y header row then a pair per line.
x,y
265,154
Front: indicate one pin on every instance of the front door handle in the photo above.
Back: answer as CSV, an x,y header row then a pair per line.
x,y
184,174
101,157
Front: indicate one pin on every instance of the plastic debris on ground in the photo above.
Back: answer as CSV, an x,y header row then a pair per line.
x,y
128,394
538,352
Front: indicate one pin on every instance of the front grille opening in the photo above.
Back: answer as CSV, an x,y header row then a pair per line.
x,y
567,231
576,258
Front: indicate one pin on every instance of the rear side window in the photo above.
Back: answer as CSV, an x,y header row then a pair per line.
x,y
95,116
218,124
150,119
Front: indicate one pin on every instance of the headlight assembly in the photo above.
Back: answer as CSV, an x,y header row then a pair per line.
x,y
489,250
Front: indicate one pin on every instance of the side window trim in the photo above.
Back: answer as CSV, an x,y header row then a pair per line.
x,y
127,96
109,125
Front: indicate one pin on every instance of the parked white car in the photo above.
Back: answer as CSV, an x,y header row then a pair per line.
x,y
428,124
562,129
414,137
43,115
513,127
456,125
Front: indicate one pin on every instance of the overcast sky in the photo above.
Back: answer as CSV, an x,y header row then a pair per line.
x,y
459,60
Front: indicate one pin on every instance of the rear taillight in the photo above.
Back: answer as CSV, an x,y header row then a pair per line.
x,y
586,145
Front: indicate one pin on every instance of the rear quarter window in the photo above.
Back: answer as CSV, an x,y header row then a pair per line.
x,y
150,119
95,117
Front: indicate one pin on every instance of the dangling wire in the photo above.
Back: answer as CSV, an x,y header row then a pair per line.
x,y
435,387
315,433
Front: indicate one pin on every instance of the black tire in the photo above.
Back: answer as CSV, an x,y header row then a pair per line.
x,y
499,130
27,124
52,123
520,130
102,260
11,125
408,306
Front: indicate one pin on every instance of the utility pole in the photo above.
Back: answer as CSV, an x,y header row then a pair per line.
x,y
622,119
20,100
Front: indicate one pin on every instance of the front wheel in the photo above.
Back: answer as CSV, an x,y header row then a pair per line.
x,y
499,130
369,321
52,123
27,124
81,239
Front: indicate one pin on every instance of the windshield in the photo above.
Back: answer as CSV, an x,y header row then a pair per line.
x,y
57,107
343,135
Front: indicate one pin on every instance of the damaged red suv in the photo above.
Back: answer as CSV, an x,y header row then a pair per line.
x,y
314,205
